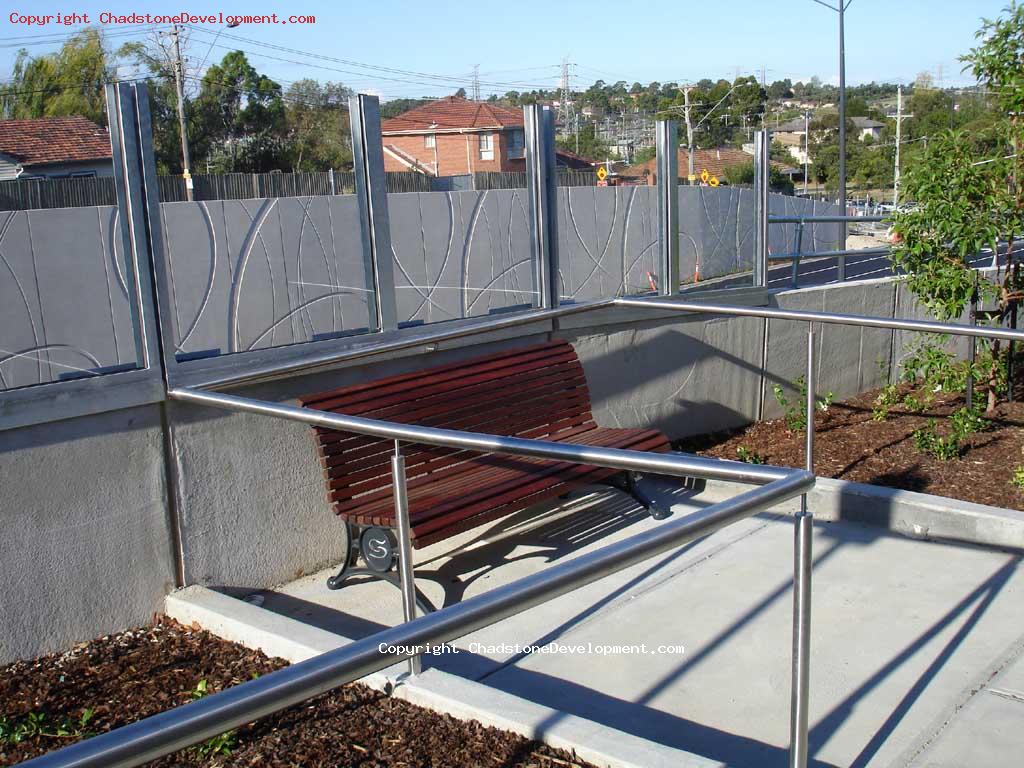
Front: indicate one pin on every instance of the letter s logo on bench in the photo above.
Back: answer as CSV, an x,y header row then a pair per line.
x,y
378,549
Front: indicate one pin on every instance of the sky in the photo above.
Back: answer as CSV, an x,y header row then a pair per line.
x,y
434,46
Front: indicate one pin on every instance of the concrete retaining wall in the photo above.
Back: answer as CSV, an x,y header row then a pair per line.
x,y
89,544
86,547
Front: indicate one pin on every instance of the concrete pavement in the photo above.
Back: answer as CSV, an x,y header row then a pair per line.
x,y
916,646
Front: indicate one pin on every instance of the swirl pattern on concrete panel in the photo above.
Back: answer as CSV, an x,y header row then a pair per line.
x,y
64,307
460,254
250,274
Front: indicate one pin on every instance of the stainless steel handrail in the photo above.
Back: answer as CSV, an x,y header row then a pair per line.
x,y
863,321
674,464
824,219
178,728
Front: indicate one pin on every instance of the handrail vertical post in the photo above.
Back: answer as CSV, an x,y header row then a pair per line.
x,y
405,568
667,148
802,561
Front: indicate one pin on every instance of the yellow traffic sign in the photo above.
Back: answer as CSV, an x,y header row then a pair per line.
x,y
704,175
713,181
602,173
692,177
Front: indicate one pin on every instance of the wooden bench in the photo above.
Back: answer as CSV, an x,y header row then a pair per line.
x,y
535,392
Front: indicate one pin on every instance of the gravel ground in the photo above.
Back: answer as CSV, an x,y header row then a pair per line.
x,y
49,702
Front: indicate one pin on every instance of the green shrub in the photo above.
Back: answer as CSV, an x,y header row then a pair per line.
x,y
795,412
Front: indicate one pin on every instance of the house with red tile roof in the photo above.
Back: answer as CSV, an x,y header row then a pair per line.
x,y
454,136
53,147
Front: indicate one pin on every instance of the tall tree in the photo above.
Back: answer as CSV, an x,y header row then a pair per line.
x,y
67,82
317,119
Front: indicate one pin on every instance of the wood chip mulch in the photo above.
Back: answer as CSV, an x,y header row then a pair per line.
x,y
128,676
850,445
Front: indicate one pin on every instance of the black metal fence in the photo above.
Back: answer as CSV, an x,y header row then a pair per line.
x,y
21,195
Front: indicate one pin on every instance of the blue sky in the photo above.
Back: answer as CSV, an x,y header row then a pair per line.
x,y
519,45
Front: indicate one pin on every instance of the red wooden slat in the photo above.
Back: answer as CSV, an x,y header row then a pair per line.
x,y
450,379
450,490
311,400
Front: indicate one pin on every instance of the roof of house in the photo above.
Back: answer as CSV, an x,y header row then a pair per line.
x,y
48,140
453,113
715,161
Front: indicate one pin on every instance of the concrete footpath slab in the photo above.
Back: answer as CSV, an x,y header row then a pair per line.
x,y
691,651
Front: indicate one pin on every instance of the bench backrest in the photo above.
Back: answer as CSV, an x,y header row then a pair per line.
x,y
537,392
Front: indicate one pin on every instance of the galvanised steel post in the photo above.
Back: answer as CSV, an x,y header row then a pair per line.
x,y
667,177
762,177
372,194
841,261
541,191
405,568
802,561
796,253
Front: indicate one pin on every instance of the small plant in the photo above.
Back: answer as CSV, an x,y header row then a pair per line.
x,y
1018,477
221,744
750,457
34,725
964,422
887,398
795,415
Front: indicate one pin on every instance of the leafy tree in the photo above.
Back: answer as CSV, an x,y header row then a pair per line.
x,y
318,126
60,84
744,175
590,146
241,117
963,204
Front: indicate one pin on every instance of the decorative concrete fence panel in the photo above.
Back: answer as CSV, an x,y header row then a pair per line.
x,y
65,311
607,241
252,274
460,254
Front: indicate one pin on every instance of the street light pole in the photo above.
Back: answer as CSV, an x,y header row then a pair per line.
x,y
842,136
840,8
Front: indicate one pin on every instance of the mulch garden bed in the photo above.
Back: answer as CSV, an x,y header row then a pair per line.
x,y
50,702
851,445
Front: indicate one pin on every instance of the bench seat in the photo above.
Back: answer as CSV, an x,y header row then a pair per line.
x,y
536,392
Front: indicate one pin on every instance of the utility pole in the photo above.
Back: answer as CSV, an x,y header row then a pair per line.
x,y
691,172
896,170
807,146
179,76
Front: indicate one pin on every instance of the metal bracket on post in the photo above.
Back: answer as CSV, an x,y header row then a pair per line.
x,y
802,563
762,179
405,568
667,148
372,194
541,191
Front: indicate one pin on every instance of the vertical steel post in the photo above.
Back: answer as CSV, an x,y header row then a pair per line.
x,y
541,191
762,178
796,252
972,349
405,568
667,149
841,261
802,561
372,195
130,144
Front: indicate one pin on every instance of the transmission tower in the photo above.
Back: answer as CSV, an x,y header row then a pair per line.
x,y
565,94
476,83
